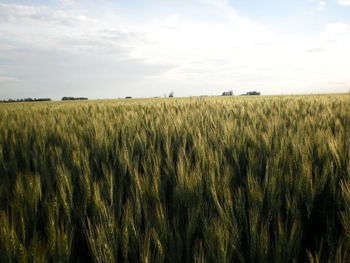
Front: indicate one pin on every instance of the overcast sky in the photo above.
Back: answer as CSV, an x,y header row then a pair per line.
x,y
139,48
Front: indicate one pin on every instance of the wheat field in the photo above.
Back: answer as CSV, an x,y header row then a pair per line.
x,y
217,179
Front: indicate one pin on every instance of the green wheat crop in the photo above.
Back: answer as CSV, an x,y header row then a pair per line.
x,y
225,179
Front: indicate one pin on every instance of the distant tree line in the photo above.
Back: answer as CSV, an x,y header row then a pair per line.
x,y
26,100
74,98
40,99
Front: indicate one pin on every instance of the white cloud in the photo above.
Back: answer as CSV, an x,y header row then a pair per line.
x,y
231,54
70,18
68,2
321,5
14,12
6,47
218,3
223,5
344,2
21,13
7,79
337,28
187,56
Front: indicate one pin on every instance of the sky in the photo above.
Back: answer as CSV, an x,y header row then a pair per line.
x,y
116,48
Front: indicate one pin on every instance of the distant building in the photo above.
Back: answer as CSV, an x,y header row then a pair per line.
x,y
227,93
128,97
251,93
